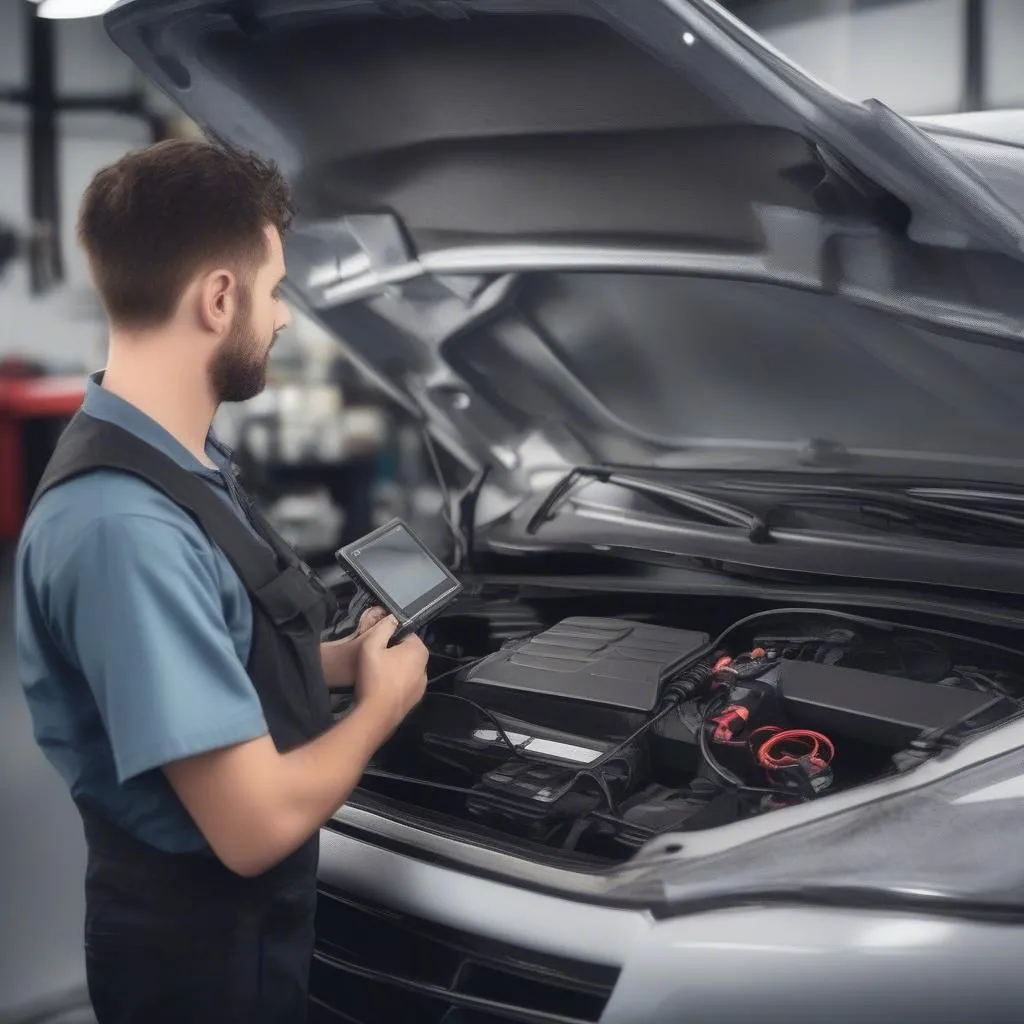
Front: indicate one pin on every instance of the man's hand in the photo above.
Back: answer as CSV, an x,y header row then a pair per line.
x,y
391,679
341,657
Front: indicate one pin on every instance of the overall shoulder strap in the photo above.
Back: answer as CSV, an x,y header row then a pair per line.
x,y
89,444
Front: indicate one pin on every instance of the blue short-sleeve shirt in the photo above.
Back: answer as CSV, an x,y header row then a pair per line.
x,y
133,634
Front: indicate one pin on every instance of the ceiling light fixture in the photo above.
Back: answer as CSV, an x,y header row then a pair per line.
x,y
61,9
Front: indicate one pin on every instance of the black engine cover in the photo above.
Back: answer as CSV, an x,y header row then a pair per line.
x,y
591,676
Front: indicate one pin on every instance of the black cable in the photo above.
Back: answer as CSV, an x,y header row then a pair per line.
x,y
690,683
615,754
602,784
709,759
624,823
463,664
608,755
486,713
461,667
732,780
588,772
864,621
585,773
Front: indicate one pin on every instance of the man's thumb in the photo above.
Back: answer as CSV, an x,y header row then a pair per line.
x,y
380,632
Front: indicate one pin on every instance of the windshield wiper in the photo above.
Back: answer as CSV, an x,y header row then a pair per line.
x,y
956,511
692,501
910,507
968,495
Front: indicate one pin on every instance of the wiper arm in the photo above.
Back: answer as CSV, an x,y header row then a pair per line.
x,y
693,501
970,496
910,502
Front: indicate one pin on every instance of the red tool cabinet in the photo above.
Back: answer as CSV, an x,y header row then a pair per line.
x,y
25,405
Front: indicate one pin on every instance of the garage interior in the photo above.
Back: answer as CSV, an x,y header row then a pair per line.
x,y
332,456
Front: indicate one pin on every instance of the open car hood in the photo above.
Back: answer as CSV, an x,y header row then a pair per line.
x,y
621,230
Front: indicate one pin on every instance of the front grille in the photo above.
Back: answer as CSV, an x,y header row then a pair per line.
x,y
373,964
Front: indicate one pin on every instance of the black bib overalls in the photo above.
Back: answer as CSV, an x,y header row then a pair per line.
x,y
179,937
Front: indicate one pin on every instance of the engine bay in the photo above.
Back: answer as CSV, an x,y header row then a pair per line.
x,y
591,735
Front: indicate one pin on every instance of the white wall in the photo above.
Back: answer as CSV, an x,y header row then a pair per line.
x,y
908,54
1004,38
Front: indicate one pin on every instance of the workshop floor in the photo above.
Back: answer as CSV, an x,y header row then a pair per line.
x,y
42,859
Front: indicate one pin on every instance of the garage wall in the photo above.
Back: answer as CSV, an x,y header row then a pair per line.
x,y
907,53
64,326
1004,35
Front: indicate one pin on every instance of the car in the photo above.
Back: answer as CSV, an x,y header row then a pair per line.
x,y
723,373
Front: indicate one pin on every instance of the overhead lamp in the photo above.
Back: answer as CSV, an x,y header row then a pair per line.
x,y
73,8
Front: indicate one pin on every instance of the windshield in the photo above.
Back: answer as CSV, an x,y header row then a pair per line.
x,y
675,363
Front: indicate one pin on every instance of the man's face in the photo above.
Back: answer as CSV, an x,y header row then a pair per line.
x,y
238,370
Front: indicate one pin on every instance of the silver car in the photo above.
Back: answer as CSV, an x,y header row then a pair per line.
x,y
724,374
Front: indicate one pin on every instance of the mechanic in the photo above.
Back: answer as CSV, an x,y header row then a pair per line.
x,y
169,641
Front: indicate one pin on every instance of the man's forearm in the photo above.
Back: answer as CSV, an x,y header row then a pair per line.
x,y
318,777
255,805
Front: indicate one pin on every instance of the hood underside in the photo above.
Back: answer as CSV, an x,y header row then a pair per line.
x,y
620,230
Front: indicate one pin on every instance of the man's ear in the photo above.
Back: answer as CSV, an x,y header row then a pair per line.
x,y
217,300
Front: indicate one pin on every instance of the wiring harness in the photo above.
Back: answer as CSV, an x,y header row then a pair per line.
x,y
752,751
795,763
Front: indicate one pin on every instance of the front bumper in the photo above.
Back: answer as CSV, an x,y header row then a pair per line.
x,y
404,939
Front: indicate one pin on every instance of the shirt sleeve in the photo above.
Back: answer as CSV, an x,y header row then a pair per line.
x,y
138,608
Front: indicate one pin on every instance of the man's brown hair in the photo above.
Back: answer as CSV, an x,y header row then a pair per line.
x,y
157,217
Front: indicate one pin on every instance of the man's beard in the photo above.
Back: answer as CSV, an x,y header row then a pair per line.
x,y
238,370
